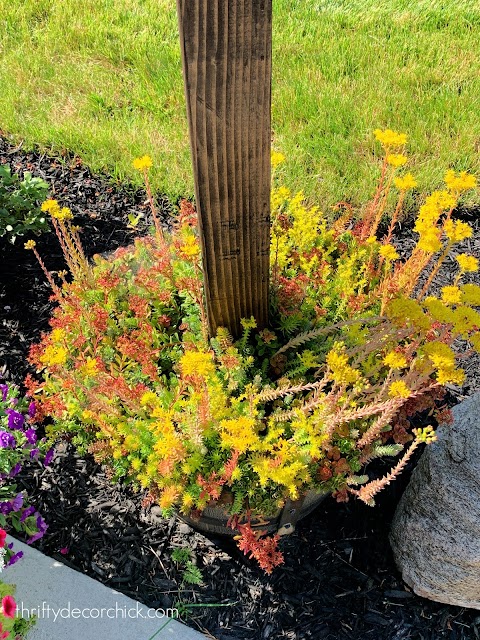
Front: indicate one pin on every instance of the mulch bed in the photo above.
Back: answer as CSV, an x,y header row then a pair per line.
x,y
338,581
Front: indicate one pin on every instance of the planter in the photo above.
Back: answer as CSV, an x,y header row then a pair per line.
x,y
214,519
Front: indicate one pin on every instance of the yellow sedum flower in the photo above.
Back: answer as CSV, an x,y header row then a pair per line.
x,y
395,360
456,230
53,208
389,252
430,242
53,355
389,138
50,206
442,358
30,244
190,248
396,159
451,295
196,363
340,371
276,158
459,182
63,214
399,389
239,434
90,368
405,183
143,163
467,263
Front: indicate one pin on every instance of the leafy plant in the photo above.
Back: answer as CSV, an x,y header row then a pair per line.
x,y
191,573
354,349
20,212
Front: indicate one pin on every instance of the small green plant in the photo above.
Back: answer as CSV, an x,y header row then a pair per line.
x,y
19,204
191,573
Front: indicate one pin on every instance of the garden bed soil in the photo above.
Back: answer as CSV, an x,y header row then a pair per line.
x,y
338,581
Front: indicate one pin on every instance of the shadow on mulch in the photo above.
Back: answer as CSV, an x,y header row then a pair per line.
x,y
338,581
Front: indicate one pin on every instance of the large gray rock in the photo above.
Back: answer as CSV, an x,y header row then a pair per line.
x,y
435,533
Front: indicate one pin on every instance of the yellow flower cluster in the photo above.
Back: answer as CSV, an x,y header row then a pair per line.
x,y
196,363
451,295
389,138
389,252
428,216
53,208
443,360
286,470
340,371
459,182
276,158
395,360
405,183
399,389
456,230
53,355
190,247
396,159
467,263
30,244
143,163
239,434
90,368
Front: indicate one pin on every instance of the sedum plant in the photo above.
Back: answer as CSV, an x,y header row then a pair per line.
x,y
357,344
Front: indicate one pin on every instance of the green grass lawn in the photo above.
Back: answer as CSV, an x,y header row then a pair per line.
x,y
102,78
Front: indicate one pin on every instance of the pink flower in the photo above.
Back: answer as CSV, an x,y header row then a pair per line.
x,y
3,535
64,551
9,606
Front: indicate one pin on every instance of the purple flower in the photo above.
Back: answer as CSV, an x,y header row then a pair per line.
x,y
16,469
48,457
31,436
29,511
32,409
6,508
7,440
17,502
4,391
34,453
41,526
15,558
16,420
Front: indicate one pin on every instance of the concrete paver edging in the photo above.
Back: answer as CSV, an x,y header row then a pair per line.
x,y
72,606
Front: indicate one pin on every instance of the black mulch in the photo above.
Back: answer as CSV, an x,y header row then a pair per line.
x,y
338,581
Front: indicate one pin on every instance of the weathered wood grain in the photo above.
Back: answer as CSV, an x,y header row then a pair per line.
x,y
226,53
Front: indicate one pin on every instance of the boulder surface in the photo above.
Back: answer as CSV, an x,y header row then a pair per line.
x,y
435,533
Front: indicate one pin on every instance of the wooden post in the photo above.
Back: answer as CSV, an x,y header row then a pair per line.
x,y
226,54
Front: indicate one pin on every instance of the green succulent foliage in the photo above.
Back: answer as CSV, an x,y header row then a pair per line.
x,y
20,199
